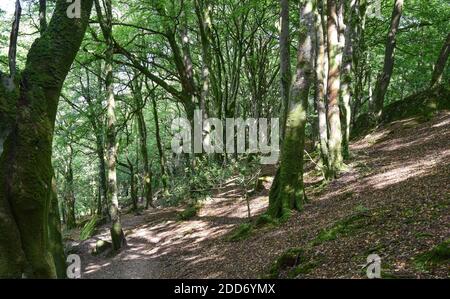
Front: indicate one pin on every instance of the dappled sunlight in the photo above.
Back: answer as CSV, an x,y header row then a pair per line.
x,y
382,176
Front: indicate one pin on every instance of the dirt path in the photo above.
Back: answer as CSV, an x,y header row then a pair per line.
x,y
400,177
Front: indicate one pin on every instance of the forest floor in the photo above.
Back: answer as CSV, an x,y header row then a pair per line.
x,y
393,200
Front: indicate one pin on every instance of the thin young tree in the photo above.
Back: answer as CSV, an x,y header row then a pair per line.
x,y
285,60
117,235
440,64
384,78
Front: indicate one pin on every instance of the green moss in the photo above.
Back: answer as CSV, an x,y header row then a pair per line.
x,y
303,268
343,227
289,259
440,254
265,220
241,232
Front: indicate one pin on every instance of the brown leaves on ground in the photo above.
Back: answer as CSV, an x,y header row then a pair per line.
x,y
398,175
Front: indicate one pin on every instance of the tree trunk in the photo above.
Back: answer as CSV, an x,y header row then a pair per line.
x,y
384,78
287,192
27,114
347,33
333,115
117,235
321,85
285,62
148,191
440,64
162,159
69,195
56,247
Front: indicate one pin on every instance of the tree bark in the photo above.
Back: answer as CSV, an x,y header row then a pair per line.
x,y
56,246
148,191
440,64
27,114
384,78
333,115
287,191
321,85
69,194
285,62
347,33
162,158
117,235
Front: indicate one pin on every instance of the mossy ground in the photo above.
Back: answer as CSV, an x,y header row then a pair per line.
x,y
344,227
440,254
241,232
292,263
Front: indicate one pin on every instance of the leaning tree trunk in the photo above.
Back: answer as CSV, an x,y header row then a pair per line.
x,y
287,192
440,65
384,78
28,105
333,115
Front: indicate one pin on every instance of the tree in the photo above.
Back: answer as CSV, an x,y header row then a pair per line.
x,y
285,59
347,35
117,235
28,104
321,84
287,191
333,115
384,78
441,62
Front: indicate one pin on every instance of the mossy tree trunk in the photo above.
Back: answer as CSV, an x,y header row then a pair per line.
x,y
287,192
28,105
333,115
117,235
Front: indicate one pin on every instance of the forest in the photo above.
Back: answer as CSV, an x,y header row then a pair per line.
x,y
216,139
